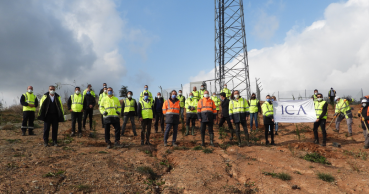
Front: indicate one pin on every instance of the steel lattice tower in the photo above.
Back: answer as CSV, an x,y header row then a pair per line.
x,y
231,61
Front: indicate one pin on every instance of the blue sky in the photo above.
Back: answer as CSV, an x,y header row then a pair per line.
x,y
182,34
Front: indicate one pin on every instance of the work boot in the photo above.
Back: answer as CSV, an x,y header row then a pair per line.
x,y
231,138
165,144
211,140
109,146
187,129
202,139
134,134
30,132
72,134
248,140
323,144
349,134
336,130
46,144
55,144
23,132
256,130
193,130
316,141
118,145
267,143
79,135
272,143
174,144
276,133
238,139
148,143
366,146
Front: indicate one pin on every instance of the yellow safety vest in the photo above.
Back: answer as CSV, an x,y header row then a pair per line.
x,y
129,105
77,102
111,105
91,92
267,109
344,108
181,100
201,92
142,95
240,106
196,95
146,110
191,102
30,99
319,109
254,106
216,101
102,95
227,92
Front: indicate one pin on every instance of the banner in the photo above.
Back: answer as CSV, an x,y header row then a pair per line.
x,y
294,111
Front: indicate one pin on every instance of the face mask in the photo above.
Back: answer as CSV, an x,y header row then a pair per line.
x,y
88,92
236,95
180,94
206,95
129,95
159,96
77,92
104,86
319,99
364,104
146,97
52,92
105,91
202,88
90,88
268,100
191,96
272,100
225,87
213,95
30,91
146,88
315,93
174,96
110,92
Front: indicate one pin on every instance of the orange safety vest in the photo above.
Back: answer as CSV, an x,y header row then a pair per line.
x,y
367,112
171,109
206,105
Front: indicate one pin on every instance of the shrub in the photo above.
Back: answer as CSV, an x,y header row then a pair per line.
x,y
315,157
146,170
326,177
207,151
197,147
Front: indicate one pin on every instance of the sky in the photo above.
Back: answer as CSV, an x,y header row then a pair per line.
x,y
292,45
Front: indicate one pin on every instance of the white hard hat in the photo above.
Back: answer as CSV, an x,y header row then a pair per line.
x,y
364,100
337,97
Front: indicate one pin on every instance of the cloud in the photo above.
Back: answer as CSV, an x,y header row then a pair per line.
x,y
48,42
332,52
265,26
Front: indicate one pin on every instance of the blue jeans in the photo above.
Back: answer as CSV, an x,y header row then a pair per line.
x,y
276,127
254,116
167,129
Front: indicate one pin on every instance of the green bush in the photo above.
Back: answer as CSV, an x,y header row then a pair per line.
x,y
326,177
197,147
315,157
146,170
207,151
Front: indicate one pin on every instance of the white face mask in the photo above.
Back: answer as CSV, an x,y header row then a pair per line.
x,y
30,91
202,88
213,95
105,91
319,99
364,104
129,95
159,96
52,92
206,95
180,94
77,92
236,96
225,87
315,93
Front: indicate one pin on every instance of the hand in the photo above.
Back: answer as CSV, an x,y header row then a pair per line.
x,y
141,119
70,110
31,105
317,120
105,113
362,118
273,120
82,110
118,112
90,106
246,118
232,121
200,120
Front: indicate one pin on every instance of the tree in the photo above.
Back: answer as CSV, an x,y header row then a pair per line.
x,y
123,91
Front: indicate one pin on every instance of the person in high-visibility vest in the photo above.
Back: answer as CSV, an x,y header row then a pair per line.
x,y
196,94
226,91
146,90
110,108
51,112
217,103
255,108
206,113
182,101
343,110
238,113
146,114
102,95
267,109
129,109
191,113
91,91
76,106
321,110
331,95
314,95
364,117
29,102
202,91
171,108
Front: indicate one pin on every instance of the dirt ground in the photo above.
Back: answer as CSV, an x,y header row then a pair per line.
x,y
84,165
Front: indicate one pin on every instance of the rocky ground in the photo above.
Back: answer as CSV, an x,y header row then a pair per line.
x,y
84,165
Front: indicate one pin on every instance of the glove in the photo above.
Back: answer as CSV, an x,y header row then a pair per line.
x,y
362,118
359,111
105,113
118,112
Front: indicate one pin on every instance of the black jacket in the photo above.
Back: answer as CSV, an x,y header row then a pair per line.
x,y
172,118
139,111
89,100
24,103
69,103
225,107
130,113
158,104
101,91
44,107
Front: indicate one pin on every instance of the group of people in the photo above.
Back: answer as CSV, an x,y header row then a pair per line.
x,y
200,105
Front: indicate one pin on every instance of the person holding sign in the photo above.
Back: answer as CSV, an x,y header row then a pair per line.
x,y
321,110
268,117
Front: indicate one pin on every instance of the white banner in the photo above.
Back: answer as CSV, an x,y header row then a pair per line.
x,y
294,111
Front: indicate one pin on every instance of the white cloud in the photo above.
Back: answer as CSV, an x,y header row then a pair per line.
x,y
329,53
265,26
